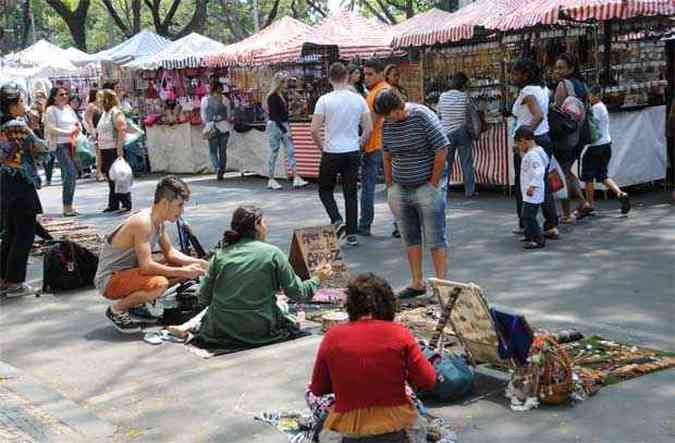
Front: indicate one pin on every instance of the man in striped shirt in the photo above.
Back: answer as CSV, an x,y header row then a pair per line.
x,y
452,109
414,153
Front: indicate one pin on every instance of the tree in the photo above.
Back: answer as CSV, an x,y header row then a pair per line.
x,y
394,11
74,19
129,22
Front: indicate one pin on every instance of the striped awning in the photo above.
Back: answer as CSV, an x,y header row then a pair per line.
x,y
143,44
438,28
280,39
550,12
356,35
187,52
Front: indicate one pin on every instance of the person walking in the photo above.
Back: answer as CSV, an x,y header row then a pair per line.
x,y
112,131
92,115
567,149
61,128
342,111
531,109
372,151
596,159
415,150
452,109
20,150
356,80
215,113
392,75
279,131
532,177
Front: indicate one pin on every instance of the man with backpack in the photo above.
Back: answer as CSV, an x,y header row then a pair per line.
x,y
127,273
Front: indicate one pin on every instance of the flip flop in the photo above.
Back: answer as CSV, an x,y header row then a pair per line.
x,y
71,214
409,292
153,338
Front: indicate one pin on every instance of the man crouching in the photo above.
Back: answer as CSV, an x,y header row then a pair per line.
x,y
127,273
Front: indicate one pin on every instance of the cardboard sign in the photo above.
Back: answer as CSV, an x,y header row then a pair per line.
x,y
310,247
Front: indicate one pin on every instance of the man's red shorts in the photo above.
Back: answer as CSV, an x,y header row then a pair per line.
x,y
132,280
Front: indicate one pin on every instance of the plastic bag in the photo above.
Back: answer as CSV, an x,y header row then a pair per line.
x,y
85,152
121,174
554,165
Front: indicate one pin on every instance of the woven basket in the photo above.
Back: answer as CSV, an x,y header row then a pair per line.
x,y
554,384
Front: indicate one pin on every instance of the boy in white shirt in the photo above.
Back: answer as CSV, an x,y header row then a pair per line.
x,y
341,112
596,158
532,176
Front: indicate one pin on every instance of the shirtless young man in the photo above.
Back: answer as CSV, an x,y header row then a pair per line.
x,y
127,274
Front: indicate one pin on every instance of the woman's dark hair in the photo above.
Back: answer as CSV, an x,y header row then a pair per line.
x,y
388,101
368,294
214,84
10,94
531,70
51,100
572,62
360,88
92,95
243,224
458,81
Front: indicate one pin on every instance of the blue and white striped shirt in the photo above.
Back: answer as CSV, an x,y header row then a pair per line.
x,y
413,144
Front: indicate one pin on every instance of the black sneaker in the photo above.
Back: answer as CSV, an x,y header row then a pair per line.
x,y
625,204
352,240
340,230
364,232
123,322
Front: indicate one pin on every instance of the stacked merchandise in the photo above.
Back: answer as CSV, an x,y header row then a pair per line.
x,y
60,229
481,62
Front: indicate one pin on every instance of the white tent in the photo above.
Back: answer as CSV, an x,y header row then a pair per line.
x,y
143,44
187,52
42,59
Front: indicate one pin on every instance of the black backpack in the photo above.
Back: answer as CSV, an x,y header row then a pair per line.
x,y
68,266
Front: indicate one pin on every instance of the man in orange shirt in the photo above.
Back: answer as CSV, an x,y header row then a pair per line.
x,y
371,160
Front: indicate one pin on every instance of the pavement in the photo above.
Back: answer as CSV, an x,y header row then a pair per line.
x,y
67,375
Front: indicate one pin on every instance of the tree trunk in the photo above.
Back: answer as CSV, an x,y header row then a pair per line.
x,y
75,20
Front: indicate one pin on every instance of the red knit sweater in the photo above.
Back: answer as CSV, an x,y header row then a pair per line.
x,y
366,363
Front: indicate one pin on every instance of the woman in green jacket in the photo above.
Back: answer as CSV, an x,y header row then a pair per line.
x,y
240,289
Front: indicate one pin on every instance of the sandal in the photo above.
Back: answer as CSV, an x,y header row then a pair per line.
x,y
534,245
71,214
567,220
584,211
409,292
625,204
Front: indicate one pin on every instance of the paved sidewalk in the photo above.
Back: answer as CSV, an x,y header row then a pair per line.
x,y
30,412
610,275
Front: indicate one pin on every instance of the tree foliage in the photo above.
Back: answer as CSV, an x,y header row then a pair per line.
x,y
93,25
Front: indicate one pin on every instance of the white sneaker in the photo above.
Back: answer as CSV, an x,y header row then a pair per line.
x,y
273,184
298,182
19,290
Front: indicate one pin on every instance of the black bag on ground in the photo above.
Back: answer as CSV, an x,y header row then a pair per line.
x,y
181,303
68,266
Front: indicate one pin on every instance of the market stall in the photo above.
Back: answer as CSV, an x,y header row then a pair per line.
x,y
304,53
617,43
177,73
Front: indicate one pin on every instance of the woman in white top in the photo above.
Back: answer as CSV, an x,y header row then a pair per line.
x,y
61,129
111,133
531,109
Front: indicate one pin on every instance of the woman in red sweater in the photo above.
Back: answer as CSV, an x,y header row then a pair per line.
x,y
367,363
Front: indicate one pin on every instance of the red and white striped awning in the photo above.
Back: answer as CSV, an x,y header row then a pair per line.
x,y
356,35
283,35
439,28
547,12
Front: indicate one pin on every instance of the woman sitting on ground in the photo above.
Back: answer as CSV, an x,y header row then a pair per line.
x,y
240,289
367,363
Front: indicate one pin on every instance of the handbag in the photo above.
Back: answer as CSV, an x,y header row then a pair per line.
x,y
474,123
555,182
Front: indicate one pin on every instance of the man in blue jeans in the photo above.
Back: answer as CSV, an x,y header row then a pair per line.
x,y
373,71
414,154
452,109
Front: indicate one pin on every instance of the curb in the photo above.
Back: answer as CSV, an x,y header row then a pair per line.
x,y
51,402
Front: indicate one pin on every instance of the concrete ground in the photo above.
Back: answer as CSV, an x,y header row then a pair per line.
x,y
611,276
